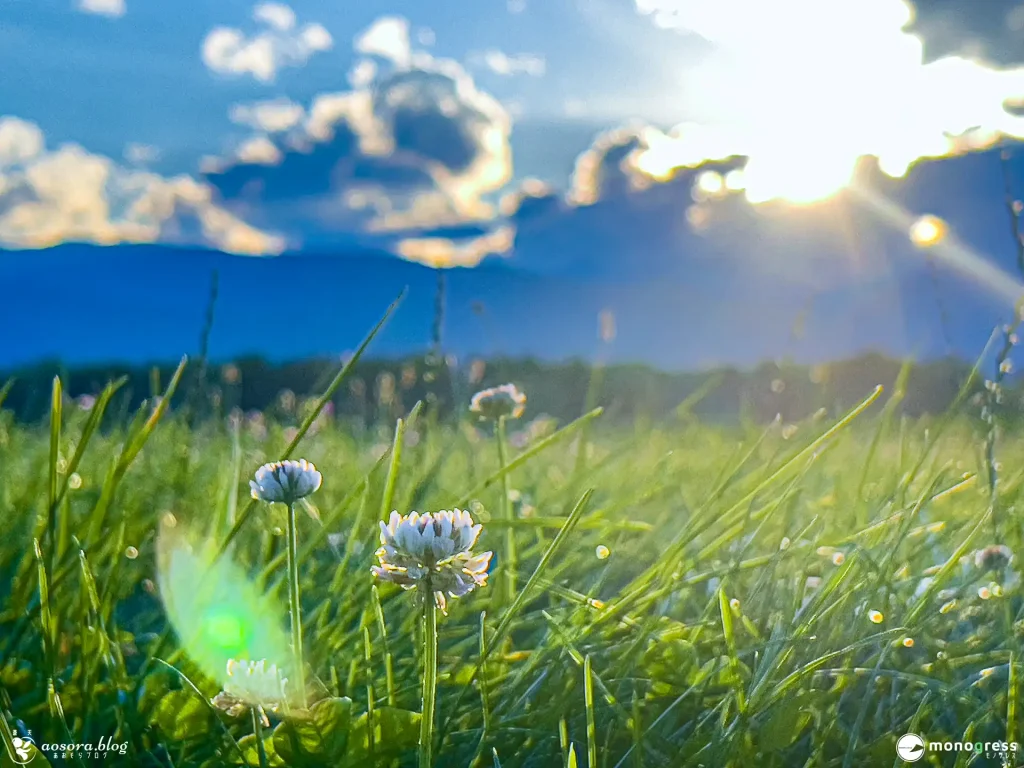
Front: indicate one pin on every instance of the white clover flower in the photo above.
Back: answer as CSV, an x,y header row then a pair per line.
x,y
251,684
285,481
491,404
434,552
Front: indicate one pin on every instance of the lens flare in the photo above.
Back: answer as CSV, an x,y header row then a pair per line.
x,y
927,231
215,609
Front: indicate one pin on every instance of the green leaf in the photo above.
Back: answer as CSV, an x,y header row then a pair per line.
x,y
395,731
319,737
180,716
784,724
251,754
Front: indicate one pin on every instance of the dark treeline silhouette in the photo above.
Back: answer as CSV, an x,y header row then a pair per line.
x,y
383,389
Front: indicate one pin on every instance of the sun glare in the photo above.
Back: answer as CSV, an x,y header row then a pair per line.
x,y
927,231
805,88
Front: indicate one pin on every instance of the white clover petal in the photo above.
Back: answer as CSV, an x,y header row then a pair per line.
x,y
285,481
387,537
443,548
255,683
428,536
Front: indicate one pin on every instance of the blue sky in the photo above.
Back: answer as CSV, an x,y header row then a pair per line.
x,y
108,81
607,139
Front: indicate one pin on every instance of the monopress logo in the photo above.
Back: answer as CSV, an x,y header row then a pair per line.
x,y
911,747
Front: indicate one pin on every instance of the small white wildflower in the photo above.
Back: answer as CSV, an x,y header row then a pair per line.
x,y
875,617
285,481
491,404
602,552
434,552
784,544
251,684
838,558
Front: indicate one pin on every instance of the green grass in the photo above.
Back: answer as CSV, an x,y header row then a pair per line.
x,y
729,626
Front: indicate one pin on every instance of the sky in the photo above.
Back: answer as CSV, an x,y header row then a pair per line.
x,y
458,131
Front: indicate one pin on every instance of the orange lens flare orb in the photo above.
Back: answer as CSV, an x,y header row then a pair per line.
x,y
928,231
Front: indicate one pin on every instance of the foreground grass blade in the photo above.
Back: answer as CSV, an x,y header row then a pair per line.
x,y
328,393
513,610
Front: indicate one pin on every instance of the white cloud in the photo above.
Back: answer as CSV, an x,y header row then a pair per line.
x,y
20,140
387,37
362,73
516,6
273,116
354,109
409,156
444,252
607,166
112,8
502,63
141,154
805,88
259,150
69,194
276,15
280,44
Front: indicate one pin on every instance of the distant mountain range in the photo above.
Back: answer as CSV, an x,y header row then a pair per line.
x,y
821,283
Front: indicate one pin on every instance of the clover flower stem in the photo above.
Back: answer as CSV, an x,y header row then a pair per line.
x,y
426,753
485,706
505,506
293,604
257,730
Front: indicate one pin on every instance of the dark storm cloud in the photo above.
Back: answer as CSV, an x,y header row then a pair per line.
x,y
413,152
988,29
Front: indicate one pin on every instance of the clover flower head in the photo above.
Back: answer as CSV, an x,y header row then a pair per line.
x,y
491,404
285,481
993,558
432,552
251,684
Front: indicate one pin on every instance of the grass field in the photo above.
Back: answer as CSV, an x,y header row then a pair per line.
x,y
685,595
